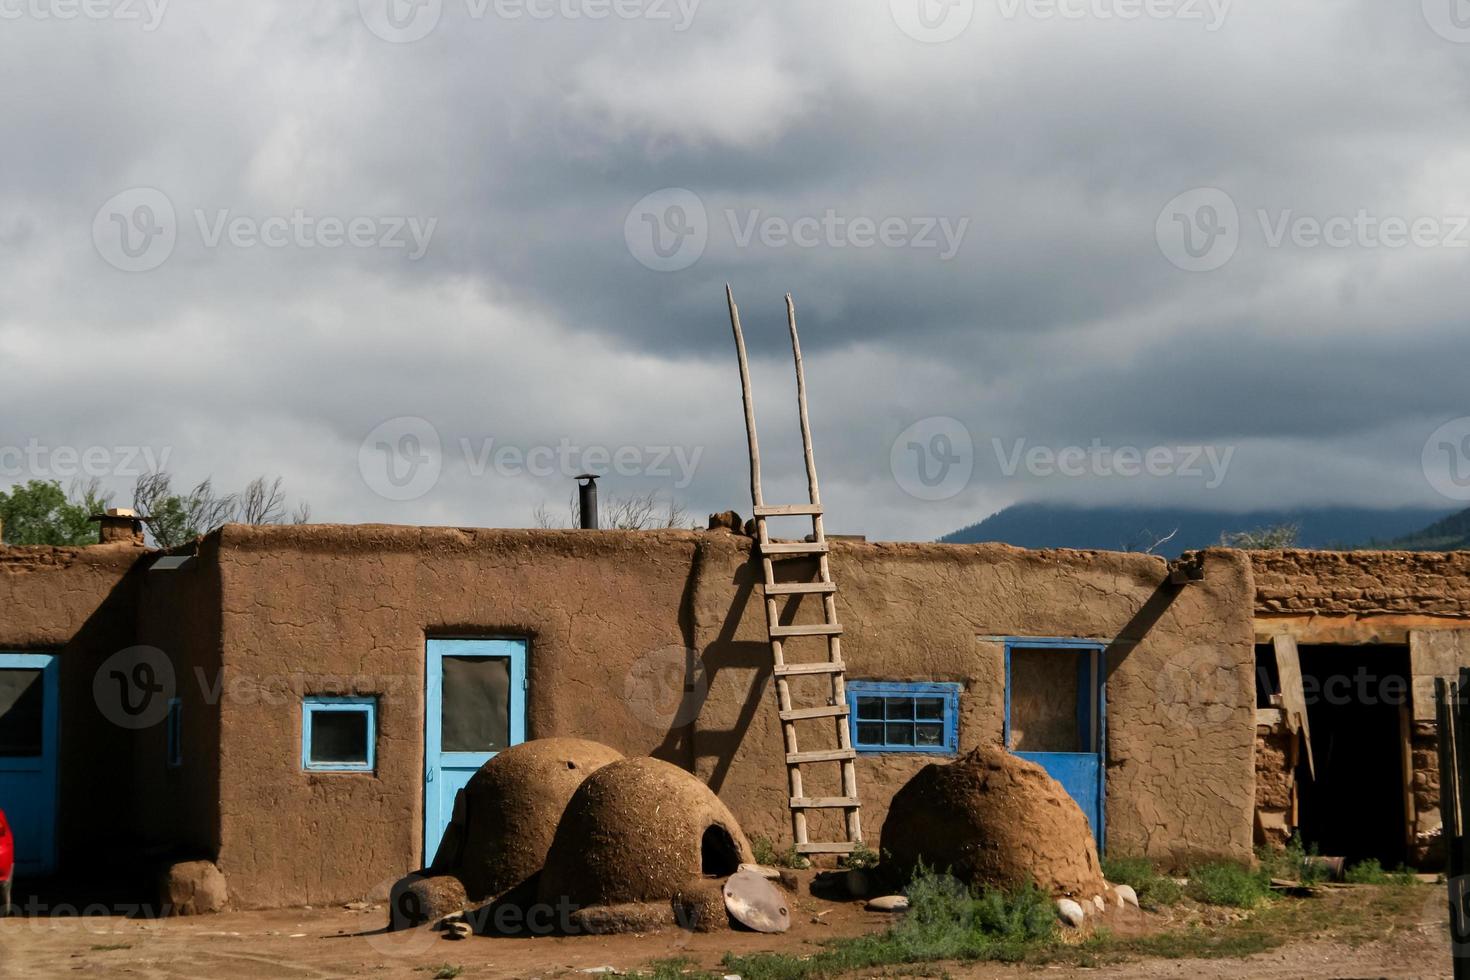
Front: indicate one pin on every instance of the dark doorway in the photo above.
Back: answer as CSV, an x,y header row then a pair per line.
x,y
1354,808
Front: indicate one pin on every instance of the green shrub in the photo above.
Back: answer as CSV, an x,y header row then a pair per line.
x,y
1228,884
1154,890
1368,872
861,856
945,921
765,853
1295,863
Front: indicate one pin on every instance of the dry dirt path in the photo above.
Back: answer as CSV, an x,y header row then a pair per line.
x,y
332,943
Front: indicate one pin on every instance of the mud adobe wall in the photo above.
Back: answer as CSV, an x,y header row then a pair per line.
x,y
1180,700
612,618
78,603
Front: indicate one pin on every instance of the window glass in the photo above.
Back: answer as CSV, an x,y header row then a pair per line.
x,y
339,736
22,709
904,717
476,712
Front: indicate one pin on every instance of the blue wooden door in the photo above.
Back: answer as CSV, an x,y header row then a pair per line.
x,y
28,733
475,706
1056,717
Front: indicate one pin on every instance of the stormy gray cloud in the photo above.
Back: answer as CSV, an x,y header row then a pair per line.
x,y
1060,224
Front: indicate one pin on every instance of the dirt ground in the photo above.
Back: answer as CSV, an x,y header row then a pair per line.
x,y
338,942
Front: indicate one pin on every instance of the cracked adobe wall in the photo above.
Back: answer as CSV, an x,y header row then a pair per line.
x,y
323,610
1181,698
609,615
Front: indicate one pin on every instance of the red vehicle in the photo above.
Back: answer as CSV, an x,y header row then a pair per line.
x,y
7,864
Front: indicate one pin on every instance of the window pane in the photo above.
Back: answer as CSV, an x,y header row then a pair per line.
x,y
928,734
1044,701
929,708
869,733
901,733
870,707
476,715
339,736
21,711
901,708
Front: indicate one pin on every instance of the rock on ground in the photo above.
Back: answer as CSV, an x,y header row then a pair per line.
x,y
194,888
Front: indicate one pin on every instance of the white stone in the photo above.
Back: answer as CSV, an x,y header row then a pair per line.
x,y
1070,912
1126,895
888,903
771,874
1099,903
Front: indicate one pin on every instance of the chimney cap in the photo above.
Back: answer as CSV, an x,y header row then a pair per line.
x,y
118,514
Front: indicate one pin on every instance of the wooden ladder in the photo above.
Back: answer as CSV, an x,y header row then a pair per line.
x,y
829,629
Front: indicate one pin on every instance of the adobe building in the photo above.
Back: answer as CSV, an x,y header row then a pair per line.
x,y
300,704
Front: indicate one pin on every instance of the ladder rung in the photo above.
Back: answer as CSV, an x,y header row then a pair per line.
x,y
800,588
788,510
809,629
822,755
832,847
795,548
830,667
824,802
826,711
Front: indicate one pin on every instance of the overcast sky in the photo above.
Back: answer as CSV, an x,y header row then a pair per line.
x,y
1180,251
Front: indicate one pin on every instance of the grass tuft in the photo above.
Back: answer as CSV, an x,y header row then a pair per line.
x,y
1223,883
1155,891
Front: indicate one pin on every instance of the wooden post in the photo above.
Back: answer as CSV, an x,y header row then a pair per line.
x,y
747,398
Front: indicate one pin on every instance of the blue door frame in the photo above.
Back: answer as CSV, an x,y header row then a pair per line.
x,y
1082,774
446,773
28,782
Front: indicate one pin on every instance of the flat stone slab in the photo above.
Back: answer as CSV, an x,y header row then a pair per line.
x,y
755,903
888,903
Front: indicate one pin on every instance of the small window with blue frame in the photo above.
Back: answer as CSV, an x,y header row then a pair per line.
x,y
897,716
339,734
